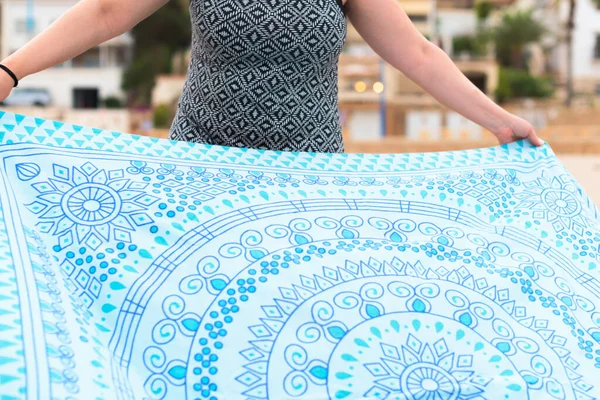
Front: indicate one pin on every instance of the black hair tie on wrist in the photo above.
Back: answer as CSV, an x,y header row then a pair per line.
x,y
12,75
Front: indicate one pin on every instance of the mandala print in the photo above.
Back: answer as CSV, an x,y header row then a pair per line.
x,y
426,374
90,205
138,268
555,199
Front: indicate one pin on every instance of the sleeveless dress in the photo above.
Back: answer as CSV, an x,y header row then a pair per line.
x,y
263,75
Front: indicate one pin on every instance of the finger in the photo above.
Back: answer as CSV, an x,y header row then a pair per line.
x,y
535,140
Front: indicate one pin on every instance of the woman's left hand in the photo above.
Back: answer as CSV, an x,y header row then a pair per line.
x,y
517,129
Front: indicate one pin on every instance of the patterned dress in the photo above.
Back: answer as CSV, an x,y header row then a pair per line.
x,y
263,75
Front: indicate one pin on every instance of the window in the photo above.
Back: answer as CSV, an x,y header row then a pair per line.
x,y
85,98
21,26
458,3
24,25
479,80
61,65
89,59
416,18
121,55
544,4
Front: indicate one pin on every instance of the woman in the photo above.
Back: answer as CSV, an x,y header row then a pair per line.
x,y
263,73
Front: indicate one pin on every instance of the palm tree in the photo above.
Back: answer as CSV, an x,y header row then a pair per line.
x,y
569,40
514,33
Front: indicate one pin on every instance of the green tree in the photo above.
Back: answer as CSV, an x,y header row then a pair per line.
x,y
474,45
483,9
162,117
513,34
157,38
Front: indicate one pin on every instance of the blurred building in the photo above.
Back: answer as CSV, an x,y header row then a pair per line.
x,y
378,100
79,83
1,36
586,40
586,47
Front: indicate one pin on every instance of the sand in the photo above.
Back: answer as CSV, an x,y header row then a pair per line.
x,y
586,170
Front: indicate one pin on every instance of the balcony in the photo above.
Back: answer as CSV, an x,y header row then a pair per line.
x,y
108,55
469,4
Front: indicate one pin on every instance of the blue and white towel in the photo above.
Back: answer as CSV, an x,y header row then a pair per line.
x,y
139,268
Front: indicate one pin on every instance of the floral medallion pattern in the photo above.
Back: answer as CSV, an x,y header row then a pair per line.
x,y
556,200
87,205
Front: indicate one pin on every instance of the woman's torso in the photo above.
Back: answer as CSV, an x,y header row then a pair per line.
x,y
263,74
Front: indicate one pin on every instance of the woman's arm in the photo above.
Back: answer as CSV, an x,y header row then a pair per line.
x,y
83,26
388,30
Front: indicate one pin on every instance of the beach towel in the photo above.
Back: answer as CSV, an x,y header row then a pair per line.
x,y
141,268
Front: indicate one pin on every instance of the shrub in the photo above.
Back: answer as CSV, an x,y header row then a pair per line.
x,y
112,102
162,116
473,45
515,83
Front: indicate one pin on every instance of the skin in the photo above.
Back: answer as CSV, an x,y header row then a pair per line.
x,y
382,23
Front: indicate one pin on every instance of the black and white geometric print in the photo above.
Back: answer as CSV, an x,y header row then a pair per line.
x,y
263,74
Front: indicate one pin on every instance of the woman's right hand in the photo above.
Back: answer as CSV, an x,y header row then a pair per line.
x,y
6,85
